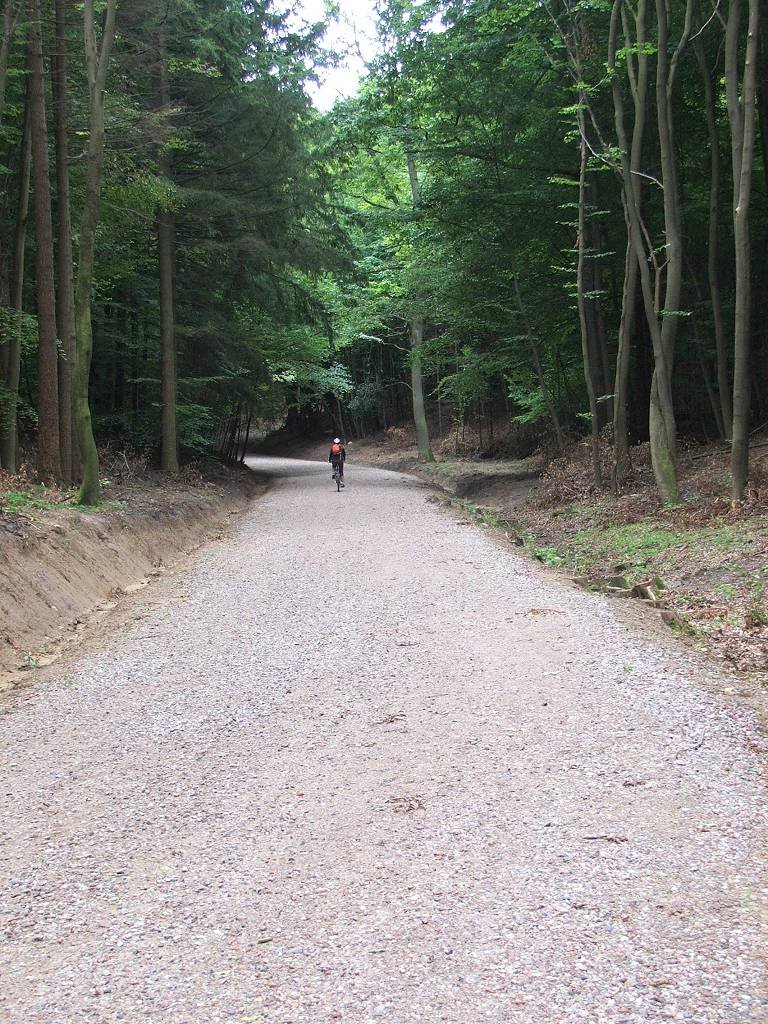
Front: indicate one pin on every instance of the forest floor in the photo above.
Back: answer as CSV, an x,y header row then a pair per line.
x,y
63,567
360,761
707,562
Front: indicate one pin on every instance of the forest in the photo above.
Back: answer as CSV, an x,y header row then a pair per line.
x,y
545,220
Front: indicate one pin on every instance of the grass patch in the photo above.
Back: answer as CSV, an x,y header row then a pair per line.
x,y
36,498
487,516
39,498
443,467
639,547
757,605
547,554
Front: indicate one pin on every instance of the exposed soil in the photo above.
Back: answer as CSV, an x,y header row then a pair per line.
x,y
60,565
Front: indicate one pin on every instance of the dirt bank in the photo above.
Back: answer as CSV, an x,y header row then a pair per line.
x,y
60,565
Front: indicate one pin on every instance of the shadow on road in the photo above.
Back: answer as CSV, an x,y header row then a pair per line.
x,y
276,469
273,466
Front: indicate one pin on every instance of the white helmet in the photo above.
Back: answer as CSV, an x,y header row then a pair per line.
x,y
336,440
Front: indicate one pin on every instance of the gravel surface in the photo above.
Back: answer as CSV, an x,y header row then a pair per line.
x,y
358,763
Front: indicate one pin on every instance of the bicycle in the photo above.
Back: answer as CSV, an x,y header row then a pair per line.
x,y
337,476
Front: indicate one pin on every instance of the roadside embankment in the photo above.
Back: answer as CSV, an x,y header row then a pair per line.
x,y
61,565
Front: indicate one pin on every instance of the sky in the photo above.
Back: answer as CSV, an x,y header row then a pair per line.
x,y
353,36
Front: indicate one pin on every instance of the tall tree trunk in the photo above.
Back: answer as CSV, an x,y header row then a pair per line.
x,y
663,430
8,428
661,419
48,460
169,458
169,444
637,72
601,334
9,21
417,388
65,308
587,347
741,115
621,461
97,62
713,242
595,247
417,339
247,436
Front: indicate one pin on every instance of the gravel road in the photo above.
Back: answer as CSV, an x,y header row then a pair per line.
x,y
358,763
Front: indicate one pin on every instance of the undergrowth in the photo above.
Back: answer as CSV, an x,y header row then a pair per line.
x,y
37,498
712,555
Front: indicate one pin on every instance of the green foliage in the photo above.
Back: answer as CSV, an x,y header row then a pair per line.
x,y
248,188
32,499
757,606
549,556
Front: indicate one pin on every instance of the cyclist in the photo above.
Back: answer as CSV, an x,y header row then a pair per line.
x,y
337,457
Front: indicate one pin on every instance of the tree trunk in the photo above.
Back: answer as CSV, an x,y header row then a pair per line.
x,y
621,461
8,428
661,421
97,62
65,308
637,71
169,457
663,431
9,21
417,339
713,244
741,114
169,444
247,434
595,247
587,347
137,363
48,459
417,386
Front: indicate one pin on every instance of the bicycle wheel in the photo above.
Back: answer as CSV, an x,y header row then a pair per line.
x,y
338,481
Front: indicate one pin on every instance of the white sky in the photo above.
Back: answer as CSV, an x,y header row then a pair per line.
x,y
353,35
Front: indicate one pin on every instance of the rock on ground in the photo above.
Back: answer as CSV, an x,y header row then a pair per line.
x,y
358,763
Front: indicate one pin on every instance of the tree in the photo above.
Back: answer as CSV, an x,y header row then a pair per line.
x,y
417,339
8,413
714,233
169,460
65,305
97,62
48,456
741,115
